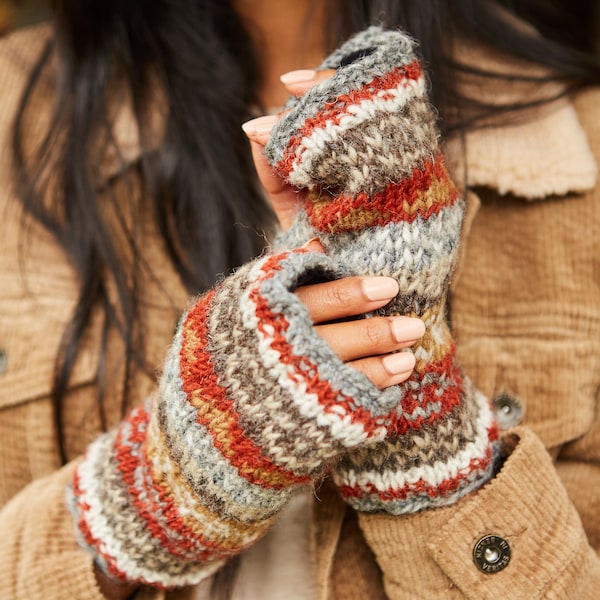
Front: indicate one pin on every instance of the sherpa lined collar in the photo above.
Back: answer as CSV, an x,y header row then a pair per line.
x,y
548,155
544,152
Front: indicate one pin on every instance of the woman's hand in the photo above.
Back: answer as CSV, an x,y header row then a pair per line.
x,y
283,198
369,345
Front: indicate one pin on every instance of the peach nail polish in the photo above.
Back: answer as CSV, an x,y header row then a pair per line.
x,y
401,362
298,76
406,329
379,288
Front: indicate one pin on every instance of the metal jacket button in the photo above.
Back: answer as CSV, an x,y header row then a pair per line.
x,y
491,554
507,410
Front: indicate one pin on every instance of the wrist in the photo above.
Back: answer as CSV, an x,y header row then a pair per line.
x,y
112,589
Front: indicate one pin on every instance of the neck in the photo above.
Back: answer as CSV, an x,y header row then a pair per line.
x,y
288,35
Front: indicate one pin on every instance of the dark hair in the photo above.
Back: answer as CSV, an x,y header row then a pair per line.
x,y
198,182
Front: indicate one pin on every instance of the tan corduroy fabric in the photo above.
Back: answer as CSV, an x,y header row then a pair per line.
x,y
526,316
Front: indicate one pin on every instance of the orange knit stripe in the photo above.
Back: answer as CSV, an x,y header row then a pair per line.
x,y
426,192
216,411
428,394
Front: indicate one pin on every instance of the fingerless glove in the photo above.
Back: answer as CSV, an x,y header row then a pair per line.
x,y
251,403
364,146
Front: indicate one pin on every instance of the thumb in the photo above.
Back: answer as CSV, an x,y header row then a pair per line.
x,y
282,197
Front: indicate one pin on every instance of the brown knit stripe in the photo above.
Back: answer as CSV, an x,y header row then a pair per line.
x,y
230,534
382,151
216,410
247,378
432,442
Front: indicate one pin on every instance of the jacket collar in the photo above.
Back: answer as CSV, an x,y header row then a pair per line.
x,y
543,152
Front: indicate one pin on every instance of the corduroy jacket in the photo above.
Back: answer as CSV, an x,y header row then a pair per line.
x,y
525,313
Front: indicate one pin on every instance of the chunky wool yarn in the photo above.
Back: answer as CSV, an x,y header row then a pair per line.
x,y
364,145
251,401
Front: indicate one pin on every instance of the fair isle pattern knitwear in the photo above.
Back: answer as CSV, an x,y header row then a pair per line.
x,y
251,402
364,144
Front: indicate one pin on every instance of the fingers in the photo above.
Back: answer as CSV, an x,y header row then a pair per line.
x,y
346,297
299,82
258,130
388,370
362,338
371,346
368,345
283,198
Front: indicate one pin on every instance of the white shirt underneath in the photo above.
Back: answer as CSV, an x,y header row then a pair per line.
x,y
281,564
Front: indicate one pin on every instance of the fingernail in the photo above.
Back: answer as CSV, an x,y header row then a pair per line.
x,y
314,244
298,76
401,362
379,288
259,125
406,329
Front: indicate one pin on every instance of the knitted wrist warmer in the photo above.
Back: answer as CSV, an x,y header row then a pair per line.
x,y
251,402
364,144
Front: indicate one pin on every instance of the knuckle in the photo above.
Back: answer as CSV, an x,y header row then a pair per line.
x,y
373,332
339,295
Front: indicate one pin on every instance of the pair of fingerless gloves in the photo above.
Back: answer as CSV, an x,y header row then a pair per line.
x,y
252,402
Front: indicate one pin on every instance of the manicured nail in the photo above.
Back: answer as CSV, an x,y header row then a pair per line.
x,y
314,245
401,362
407,329
259,125
298,76
379,288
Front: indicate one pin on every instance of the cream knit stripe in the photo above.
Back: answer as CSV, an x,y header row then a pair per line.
x,y
381,110
209,473
457,467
